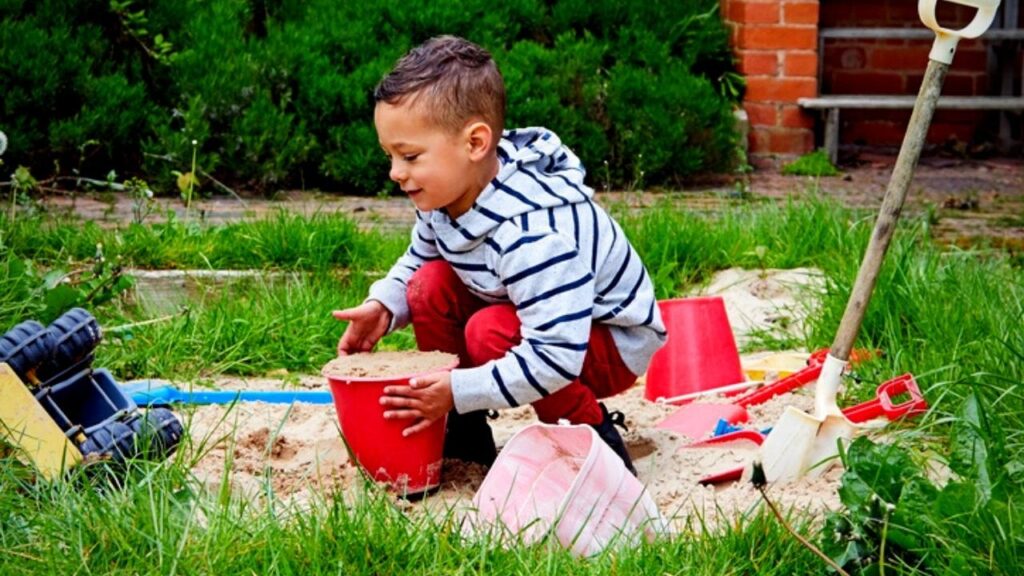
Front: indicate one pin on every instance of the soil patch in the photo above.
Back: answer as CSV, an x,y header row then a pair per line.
x,y
969,199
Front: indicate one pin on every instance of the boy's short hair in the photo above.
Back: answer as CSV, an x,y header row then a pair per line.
x,y
457,79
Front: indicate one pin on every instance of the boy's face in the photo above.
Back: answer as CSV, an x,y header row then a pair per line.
x,y
434,167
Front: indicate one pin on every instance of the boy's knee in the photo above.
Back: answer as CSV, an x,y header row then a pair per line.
x,y
491,332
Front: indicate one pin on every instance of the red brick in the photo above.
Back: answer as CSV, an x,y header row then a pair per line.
x,y
867,83
960,84
970,59
894,59
776,37
902,12
747,12
875,133
887,127
970,117
800,12
758,63
800,64
790,141
863,14
955,84
983,84
941,132
780,89
760,140
761,114
953,16
797,117
833,14
845,57
972,44
920,43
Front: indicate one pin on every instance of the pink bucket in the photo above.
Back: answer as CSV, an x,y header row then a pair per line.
x,y
408,465
565,480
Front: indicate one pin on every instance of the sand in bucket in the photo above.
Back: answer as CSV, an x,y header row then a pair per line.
x,y
408,465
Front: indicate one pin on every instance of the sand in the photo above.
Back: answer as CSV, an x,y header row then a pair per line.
x,y
388,364
297,450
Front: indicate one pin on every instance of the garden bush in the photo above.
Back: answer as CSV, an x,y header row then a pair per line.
x,y
271,94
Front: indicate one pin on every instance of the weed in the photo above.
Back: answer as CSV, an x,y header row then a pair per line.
x,y
814,164
22,185
142,199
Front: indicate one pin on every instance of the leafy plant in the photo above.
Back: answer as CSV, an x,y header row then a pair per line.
x,y
896,516
136,24
53,291
142,199
22,185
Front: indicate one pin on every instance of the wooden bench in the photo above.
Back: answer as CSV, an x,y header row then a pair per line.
x,y
1004,34
834,103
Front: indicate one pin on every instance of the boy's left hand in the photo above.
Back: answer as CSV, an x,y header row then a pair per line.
x,y
426,398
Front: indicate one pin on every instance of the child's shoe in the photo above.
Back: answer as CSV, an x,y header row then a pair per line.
x,y
469,438
606,430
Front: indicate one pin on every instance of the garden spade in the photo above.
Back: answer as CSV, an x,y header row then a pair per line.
x,y
801,442
151,393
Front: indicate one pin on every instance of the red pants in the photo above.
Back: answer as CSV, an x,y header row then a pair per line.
x,y
448,318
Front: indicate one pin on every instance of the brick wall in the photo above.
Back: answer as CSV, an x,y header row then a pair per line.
x,y
776,48
897,67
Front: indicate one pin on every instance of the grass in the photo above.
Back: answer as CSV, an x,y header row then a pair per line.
x,y
248,327
161,522
812,164
282,241
683,248
950,317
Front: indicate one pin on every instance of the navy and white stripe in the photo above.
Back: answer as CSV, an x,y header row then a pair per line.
x,y
535,238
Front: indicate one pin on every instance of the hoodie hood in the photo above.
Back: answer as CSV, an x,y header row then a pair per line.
x,y
537,172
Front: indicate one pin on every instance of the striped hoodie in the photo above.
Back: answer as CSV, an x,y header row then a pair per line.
x,y
536,238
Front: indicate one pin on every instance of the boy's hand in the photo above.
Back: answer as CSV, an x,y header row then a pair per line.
x,y
367,323
426,398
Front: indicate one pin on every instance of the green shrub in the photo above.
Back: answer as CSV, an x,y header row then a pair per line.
x,y
278,94
80,90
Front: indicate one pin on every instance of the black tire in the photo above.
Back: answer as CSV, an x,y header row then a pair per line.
x,y
75,335
157,433
123,441
113,441
25,347
96,442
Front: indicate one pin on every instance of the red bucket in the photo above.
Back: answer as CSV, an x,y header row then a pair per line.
x,y
700,353
408,465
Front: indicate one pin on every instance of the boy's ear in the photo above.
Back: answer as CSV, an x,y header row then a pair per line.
x,y
478,140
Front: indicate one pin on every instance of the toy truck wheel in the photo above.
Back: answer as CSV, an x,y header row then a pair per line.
x,y
113,441
157,433
25,347
75,335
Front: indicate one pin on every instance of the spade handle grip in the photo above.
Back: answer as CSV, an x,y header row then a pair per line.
x,y
946,39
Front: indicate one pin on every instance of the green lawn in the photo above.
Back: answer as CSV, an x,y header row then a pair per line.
x,y
953,318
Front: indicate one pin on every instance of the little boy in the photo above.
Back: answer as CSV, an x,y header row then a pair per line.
x,y
512,265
